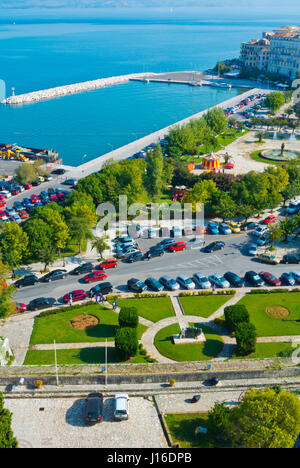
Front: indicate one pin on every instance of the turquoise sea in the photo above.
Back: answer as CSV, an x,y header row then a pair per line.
x,y
45,49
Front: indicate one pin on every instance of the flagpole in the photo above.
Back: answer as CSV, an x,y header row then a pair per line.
x,y
105,361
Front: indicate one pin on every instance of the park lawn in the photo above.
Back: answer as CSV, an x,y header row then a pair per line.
x,y
202,306
154,309
267,350
182,429
77,357
188,352
58,327
265,324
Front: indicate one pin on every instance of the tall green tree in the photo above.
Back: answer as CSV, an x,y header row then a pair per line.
x,y
7,439
100,245
13,244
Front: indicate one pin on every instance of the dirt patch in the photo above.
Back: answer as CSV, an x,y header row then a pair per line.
x,y
83,322
278,311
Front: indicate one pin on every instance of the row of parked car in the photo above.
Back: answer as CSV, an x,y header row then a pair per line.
x,y
245,102
198,280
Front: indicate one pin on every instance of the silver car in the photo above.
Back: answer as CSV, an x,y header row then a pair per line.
x,y
202,280
169,283
121,407
185,282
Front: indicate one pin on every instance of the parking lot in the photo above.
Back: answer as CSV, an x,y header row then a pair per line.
x,y
59,423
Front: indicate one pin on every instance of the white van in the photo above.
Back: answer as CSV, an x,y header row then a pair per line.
x,y
121,407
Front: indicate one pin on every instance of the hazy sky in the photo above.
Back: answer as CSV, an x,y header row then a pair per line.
x,y
250,5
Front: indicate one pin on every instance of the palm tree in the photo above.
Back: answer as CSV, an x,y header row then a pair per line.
x,y
260,136
226,157
100,245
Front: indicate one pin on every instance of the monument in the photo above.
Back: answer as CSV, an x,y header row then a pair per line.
x,y
5,351
189,335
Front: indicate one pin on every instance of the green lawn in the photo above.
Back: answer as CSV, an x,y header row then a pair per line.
x,y
154,309
267,325
182,429
77,356
202,306
188,352
267,350
58,327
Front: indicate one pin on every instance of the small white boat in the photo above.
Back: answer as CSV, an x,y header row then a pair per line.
x,y
221,85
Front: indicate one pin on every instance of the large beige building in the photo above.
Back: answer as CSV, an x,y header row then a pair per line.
x,y
277,52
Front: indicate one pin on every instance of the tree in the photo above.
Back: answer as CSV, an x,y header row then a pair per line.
x,y
100,245
216,120
275,234
25,173
40,245
265,419
7,439
246,211
288,226
245,334
126,342
290,191
274,100
226,207
155,173
80,229
13,244
128,317
235,315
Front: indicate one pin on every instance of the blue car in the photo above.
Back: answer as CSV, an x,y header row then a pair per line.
x,y
296,275
288,279
224,228
154,285
26,202
212,228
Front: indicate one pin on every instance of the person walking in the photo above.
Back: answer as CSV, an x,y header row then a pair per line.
x,y
70,300
101,298
115,304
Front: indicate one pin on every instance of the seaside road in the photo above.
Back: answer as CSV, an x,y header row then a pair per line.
x,y
232,258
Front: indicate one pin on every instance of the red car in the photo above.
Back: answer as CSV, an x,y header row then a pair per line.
x,y
109,263
28,186
15,191
3,215
177,246
34,199
20,308
269,278
97,275
270,219
229,166
2,203
23,214
77,295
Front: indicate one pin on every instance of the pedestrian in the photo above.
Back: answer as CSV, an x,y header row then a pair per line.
x,y
115,304
101,298
96,298
70,300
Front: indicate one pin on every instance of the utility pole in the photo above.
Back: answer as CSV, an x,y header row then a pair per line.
x,y
56,370
106,362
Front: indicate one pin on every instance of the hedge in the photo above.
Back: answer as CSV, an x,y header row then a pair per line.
x,y
126,342
235,315
128,317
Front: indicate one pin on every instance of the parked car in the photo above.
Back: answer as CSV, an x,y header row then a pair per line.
x,y
121,407
136,285
28,186
270,219
269,278
166,243
154,285
58,171
262,240
291,259
185,282
94,408
77,295
202,280
41,303
224,228
72,182
288,279
260,231
249,226
194,243
214,246
169,283
97,275
219,281
135,257
254,279
23,214
296,275
234,279
20,307
177,247
155,252
293,207
252,250
109,263
29,280
212,228
234,227
126,252
18,206
10,211
268,258
82,269
54,276
103,288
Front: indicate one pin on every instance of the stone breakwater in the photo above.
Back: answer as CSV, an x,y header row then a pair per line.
x,y
59,91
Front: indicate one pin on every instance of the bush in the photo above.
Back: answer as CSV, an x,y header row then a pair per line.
x,y
128,317
245,334
234,315
126,342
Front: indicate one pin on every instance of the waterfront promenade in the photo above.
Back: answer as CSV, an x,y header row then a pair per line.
x,y
129,150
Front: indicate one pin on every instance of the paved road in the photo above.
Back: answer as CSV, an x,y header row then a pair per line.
x,y
232,258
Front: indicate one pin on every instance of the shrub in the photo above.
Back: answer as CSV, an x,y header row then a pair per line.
x,y
172,382
128,317
245,334
236,314
126,342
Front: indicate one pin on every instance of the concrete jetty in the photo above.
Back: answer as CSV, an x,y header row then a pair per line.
x,y
60,91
